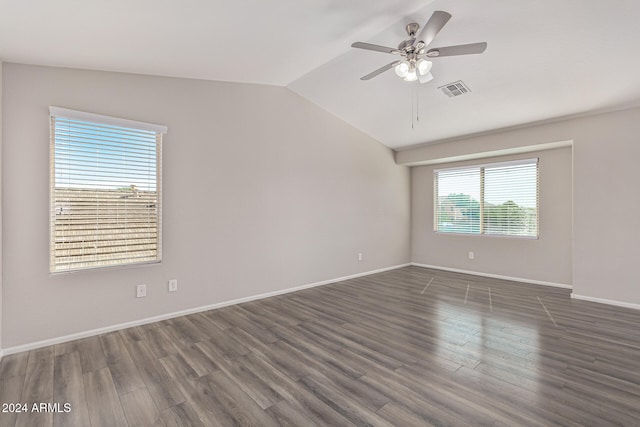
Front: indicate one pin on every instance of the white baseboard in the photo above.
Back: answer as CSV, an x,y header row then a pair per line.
x,y
495,276
606,301
106,329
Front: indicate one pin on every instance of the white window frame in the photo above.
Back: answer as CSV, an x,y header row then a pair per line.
x,y
102,120
481,168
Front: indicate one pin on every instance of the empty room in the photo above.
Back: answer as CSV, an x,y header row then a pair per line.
x,y
390,213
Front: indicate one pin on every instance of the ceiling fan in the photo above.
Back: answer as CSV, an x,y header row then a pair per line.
x,y
415,64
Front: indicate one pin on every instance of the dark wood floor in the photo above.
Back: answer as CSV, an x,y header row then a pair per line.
x,y
407,347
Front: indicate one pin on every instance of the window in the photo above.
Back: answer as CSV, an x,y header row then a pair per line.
x,y
496,199
105,191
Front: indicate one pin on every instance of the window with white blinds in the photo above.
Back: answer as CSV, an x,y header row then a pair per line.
x,y
106,198
496,199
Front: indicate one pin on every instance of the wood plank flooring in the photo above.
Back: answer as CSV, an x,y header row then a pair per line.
x,y
408,347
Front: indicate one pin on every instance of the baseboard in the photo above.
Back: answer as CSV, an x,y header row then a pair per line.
x,y
606,301
98,331
495,276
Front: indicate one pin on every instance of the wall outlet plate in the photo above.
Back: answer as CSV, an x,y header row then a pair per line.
x,y
141,291
471,255
173,285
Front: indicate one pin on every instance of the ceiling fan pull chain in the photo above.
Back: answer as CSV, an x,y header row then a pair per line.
x,y
412,104
417,102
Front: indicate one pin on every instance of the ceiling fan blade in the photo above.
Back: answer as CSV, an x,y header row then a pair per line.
x,y
380,71
377,48
432,27
461,49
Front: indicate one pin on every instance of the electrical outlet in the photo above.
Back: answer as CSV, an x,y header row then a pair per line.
x,y
471,255
173,285
359,256
141,291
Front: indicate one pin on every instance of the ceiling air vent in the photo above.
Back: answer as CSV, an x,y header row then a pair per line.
x,y
455,89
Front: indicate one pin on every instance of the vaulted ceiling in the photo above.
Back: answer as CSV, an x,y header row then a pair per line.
x,y
545,59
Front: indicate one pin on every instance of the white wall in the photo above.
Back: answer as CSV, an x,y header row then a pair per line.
x,y
262,191
1,209
606,199
546,259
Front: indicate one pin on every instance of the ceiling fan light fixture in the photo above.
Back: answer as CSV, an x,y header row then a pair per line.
x,y
424,66
411,76
425,78
402,69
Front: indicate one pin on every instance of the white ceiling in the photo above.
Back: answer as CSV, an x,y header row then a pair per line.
x,y
545,58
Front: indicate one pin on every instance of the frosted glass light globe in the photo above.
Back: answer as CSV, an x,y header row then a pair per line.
x,y
424,66
402,69
411,76
426,78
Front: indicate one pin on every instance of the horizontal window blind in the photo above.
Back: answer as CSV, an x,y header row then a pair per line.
x,y
105,191
497,199
458,200
511,200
